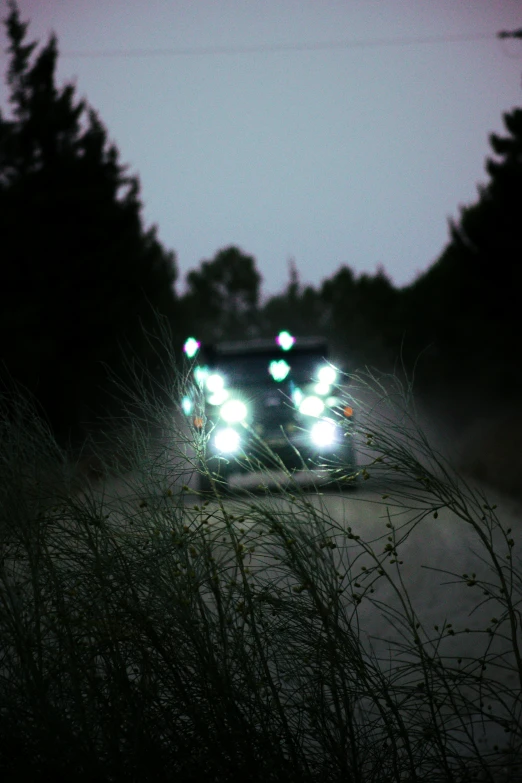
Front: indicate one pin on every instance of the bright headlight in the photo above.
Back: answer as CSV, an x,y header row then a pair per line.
x,y
311,406
218,397
322,388
215,382
323,433
233,411
227,441
327,375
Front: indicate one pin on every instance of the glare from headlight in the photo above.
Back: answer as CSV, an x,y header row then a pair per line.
x,y
233,411
311,406
227,441
201,374
323,433
215,382
297,396
327,375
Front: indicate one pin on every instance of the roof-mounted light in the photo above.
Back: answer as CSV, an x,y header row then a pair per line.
x,y
285,340
191,347
278,369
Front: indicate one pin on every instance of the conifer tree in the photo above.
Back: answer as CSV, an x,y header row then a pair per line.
x,y
223,296
465,311
79,274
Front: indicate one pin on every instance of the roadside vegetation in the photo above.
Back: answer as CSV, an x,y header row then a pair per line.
x,y
149,633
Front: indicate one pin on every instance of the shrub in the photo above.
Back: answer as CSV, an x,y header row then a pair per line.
x,y
148,633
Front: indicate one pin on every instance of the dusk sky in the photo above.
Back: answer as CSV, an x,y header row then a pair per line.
x,y
333,132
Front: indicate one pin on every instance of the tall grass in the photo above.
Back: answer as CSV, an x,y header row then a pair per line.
x,y
148,633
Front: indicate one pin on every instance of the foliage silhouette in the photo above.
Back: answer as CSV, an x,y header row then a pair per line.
x,y
79,275
223,296
150,634
466,307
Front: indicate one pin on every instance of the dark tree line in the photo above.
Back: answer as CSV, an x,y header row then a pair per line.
x,y
466,308
79,275
81,279
222,301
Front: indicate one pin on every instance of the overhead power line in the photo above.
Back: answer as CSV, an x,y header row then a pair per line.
x,y
298,47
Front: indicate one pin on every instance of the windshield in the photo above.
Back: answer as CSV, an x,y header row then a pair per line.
x,y
299,367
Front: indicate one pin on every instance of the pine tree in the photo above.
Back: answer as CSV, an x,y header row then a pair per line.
x,y
223,296
465,311
298,309
79,275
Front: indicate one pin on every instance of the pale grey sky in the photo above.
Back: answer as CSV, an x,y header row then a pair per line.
x,y
333,155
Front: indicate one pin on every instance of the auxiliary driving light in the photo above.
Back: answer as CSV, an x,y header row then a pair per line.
x,y
233,411
227,441
218,397
215,382
327,375
323,433
322,388
311,406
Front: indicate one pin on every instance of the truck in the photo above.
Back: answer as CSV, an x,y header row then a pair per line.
x,y
269,406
